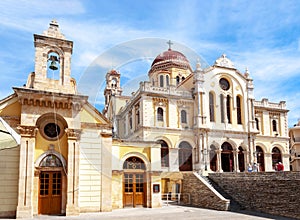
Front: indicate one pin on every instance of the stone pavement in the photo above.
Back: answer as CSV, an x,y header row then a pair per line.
x,y
170,212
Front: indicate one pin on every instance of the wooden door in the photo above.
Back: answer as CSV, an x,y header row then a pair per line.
x,y
134,189
50,195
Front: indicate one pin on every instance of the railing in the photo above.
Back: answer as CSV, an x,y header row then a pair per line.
x,y
174,198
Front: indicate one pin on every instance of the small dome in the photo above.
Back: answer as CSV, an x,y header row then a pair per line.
x,y
171,56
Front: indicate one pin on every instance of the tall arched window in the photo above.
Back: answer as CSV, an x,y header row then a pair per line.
x,y
228,108
177,80
222,108
211,107
164,154
137,117
161,81
276,156
185,156
238,110
257,123
274,125
183,116
160,114
167,80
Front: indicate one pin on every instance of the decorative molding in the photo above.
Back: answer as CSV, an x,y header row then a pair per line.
x,y
73,133
27,131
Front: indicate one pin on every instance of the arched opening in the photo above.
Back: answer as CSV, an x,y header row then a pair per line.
x,y
183,116
52,186
53,64
260,158
164,154
238,110
213,158
257,123
185,156
211,107
227,160
241,159
160,114
134,187
276,156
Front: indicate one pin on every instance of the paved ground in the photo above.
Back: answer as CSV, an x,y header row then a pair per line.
x,y
171,212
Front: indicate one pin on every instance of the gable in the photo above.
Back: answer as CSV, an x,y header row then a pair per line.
x,y
10,107
89,114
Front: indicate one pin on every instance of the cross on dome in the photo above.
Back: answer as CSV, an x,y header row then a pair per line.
x,y
170,44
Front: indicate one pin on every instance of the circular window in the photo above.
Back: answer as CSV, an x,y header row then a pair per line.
x,y
224,84
52,130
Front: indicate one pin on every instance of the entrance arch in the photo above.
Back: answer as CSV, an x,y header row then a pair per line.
x,y
276,156
185,156
241,159
260,158
213,158
52,185
134,187
227,160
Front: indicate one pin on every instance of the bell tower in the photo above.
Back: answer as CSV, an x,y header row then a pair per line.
x,y
112,88
52,62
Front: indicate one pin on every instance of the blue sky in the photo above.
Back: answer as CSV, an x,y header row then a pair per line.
x,y
261,35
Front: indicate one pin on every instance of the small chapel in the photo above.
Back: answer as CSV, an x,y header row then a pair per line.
x,y
59,155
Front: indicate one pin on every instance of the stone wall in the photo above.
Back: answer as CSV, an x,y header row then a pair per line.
x,y
197,192
276,193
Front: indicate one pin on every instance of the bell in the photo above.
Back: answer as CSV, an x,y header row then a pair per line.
x,y
53,65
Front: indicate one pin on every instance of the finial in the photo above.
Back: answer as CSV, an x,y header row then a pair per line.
x,y
170,44
246,72
54,23
223,55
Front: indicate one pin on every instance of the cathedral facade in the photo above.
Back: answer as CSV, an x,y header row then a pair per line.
x,y
201,120
59,155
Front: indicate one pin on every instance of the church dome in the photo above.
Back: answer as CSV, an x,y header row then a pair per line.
x,y
170,58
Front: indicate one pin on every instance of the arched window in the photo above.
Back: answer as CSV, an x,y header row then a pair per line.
x,y
274,125
183,116
211,107
134,163
227,159
257,123
185,156
160,114
276,156
167,80
182,78
130,122
177,80
138,117
228,108
222,108
51,161
238,110
164,154
161,81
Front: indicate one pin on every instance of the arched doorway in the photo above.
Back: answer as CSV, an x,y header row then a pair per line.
x,y
51,185
241,159
276,156
134,187
260,158
185,156
227,160
213,158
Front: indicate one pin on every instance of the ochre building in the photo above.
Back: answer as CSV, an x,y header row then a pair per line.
x,y
59,155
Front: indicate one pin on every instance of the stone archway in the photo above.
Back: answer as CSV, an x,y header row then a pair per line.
x,y
185,156
276,156
227,158
260,157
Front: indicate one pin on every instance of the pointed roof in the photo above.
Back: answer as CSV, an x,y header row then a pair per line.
x,y
8,137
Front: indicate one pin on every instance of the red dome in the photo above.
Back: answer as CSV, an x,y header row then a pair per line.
x,y
171,56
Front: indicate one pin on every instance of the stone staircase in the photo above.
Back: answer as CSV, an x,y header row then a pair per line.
x,y
234,205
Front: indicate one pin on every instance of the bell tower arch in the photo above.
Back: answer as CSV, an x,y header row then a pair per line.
x,y
53,54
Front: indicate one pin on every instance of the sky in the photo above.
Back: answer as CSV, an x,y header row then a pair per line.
x,y
263,36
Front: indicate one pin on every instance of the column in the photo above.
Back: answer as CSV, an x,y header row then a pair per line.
x,y
236,160
219,163
73,172
26,172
